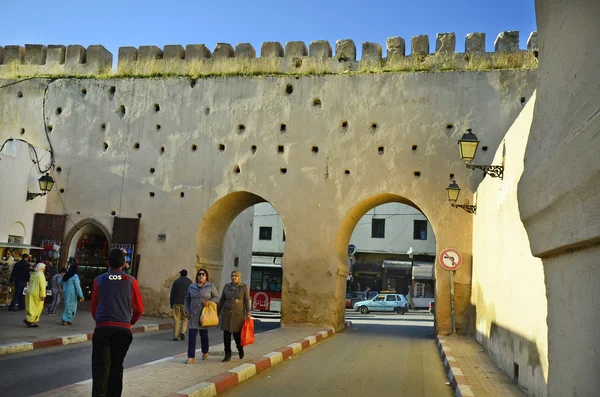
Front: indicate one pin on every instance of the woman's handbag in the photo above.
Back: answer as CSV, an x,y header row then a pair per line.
x,y
209,317
247,337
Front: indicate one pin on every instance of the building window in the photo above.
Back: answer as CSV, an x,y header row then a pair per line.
x,y
420,230
377,228
15,239
265,233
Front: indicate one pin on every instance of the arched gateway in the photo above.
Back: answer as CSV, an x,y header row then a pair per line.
x,y
186,156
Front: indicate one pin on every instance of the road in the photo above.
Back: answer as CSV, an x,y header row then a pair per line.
x,y
381,355
25,374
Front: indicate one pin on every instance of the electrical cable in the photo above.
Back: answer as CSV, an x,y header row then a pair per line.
x,y
31,146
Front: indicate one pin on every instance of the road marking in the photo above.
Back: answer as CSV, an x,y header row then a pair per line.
x,y
244,371
159,361
16,347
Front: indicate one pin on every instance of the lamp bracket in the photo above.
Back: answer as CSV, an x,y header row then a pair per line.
x,y
495,171
471,209
31,196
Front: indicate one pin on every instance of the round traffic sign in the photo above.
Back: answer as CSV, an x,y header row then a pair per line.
x,y
450,259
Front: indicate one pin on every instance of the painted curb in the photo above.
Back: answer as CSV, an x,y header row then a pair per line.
x,y
218,384
455,375
19,347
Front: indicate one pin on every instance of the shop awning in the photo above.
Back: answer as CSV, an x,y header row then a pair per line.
x,y
399,265
422,271
23,246
263,260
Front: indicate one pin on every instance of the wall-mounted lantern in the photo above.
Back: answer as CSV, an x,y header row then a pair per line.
x,y
453,191
468,147
46,184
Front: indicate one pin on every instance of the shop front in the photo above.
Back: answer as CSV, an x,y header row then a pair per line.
x,y
366,276
89,246
396,276
423,279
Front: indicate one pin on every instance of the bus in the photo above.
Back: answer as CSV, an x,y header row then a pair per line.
x,y
265,287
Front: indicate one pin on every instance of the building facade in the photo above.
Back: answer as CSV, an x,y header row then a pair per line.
x,y
392,248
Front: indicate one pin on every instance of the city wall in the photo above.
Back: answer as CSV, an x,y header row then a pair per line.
x,y
189,155
296,57
509,292
559,191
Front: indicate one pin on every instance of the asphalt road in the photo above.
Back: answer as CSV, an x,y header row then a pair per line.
x,y
25,374
381,355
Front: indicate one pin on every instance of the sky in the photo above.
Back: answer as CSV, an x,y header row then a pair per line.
x,y
134,22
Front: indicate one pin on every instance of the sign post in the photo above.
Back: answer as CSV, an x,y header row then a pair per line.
x,y
451,259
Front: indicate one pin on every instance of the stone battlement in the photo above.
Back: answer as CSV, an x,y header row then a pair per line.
x,y
75,59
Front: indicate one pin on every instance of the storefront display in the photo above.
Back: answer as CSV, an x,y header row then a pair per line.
x,y
129,249
90,254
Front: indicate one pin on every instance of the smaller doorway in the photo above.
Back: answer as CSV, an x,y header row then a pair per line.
x,y
89,246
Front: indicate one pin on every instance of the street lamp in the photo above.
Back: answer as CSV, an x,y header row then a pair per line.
x,y
46,184
453,192
468,147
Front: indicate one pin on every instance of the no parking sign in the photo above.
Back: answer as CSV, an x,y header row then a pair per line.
x,y
450,259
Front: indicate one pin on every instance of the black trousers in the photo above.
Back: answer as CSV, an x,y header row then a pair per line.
x,y
109,348
18,298
237,336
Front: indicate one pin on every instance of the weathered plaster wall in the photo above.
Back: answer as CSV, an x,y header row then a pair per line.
x,y
17,176
559,192
237,244
320,196
509,293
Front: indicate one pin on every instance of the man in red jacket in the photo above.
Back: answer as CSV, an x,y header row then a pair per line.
x,y
115,297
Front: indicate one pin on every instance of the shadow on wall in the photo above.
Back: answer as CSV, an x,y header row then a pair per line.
x,y
519,357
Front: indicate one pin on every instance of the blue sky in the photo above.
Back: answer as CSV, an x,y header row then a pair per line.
x,y
150,22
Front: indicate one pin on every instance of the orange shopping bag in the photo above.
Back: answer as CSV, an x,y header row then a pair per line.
x,y
247,337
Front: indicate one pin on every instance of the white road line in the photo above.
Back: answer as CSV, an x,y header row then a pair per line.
x,y
159,361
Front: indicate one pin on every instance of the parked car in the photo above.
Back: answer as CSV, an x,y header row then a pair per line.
x,y
383,303
432,307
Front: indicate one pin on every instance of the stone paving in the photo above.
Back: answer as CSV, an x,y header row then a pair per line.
x,y
170,375
482,375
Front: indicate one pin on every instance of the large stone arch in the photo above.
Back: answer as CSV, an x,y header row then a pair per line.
x,y
362,206
66,243
213,228
357,212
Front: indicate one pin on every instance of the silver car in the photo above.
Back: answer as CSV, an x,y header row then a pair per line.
x,y
396,303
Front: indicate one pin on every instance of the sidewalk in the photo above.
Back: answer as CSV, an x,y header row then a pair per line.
x,y
15,337
471,371
171,377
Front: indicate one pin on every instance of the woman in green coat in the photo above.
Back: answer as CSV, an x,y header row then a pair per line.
x,y
35,296
234,306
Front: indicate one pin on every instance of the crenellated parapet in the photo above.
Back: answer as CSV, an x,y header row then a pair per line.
x,y
56,59
295,57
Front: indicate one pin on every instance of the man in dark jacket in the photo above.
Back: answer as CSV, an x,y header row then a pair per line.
x,y
178,291
116,305
20,276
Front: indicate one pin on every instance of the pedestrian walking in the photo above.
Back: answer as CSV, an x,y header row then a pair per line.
x,y
234,306
116,305
410,295
178,291
196,299
71,287
35,296
20,276
55,285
